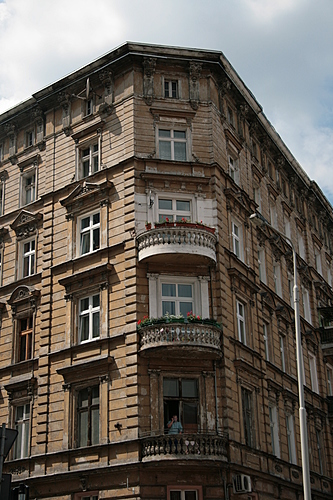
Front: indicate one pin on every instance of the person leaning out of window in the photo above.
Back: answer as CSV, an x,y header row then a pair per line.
x,y
174,426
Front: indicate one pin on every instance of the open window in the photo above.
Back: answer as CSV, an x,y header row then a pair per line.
x,y
181,398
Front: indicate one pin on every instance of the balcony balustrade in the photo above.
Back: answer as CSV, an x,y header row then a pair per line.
x,y
326,335
180,446
181,335
183,239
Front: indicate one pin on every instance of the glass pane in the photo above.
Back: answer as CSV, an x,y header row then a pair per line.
x,y
84,328
164,133
84,304
95,395
32,264
95,426
95,167
189,388
179,134
27,247
32,245
95,332
85,243
95,300
170,387
168,290
23,345
184,290
165,150
85,222
83,428
96,218
85,168
184,206
85,152
164,217
18,441
175,495
96,239
19,412
191,495
165,204
190,413
83,398
185,307
25,438
25,266
180,151
168,307
95,148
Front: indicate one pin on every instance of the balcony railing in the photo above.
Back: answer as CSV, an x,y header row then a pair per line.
x,y
180,239
180,334
185,445
326,335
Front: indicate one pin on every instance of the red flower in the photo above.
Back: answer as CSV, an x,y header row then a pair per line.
x,y
198,317
189,313
167,219
139,321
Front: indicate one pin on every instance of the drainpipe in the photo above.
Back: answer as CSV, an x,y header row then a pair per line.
x,y
216,407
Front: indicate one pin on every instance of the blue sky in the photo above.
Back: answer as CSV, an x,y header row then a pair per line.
x,y
282,49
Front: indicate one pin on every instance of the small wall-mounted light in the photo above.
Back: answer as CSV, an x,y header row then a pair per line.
x,y
21,492
118,426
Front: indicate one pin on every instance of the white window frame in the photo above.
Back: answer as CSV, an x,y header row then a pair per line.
x,y
282,352
318,260
233,166
291,439
273,215
89,229
32,188
301,244
29,138
265,327
306,305
262,265
277,278
168,84
183,489
329,373
237,239
241,321
174,214
89,313
274,426
199,287
22,442
313,372
31,255
90,158
172,140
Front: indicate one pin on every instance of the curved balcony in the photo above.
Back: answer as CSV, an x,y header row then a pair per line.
x,y
169,239
174,337
185,446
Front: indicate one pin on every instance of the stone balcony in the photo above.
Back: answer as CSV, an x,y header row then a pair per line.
x,y
326,342
190,339
184,446
177,239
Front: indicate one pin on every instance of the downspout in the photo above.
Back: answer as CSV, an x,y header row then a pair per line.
x,y
216,407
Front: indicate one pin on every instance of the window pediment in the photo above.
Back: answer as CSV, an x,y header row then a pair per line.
x,y
28,162
88,129
86,195
243,282
26,224
232,141
172,112
21,385
85,370
23,294
83,280
3,234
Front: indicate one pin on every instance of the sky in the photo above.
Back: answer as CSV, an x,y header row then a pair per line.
x,y
282,50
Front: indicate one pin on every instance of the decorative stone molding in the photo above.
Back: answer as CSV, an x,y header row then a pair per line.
x,y
98,276
195,74
23,295
26,224
64,99
149,65
84,195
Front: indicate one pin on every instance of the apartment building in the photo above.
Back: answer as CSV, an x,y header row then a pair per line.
x,y
135,288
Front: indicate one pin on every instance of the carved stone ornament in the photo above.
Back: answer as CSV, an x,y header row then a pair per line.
x,y
85,193
195,73
25,224
23,294
149,65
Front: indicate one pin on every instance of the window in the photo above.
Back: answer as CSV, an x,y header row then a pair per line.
x,y
180,397
177,298
1,152
171,88
313,373
1,198
273,421
237,239
320,451
318,260
277,278
266,341
282,353
29,138
25,338
88,416
291,439
329,371
248,419
173,209
329,273
89,159
257,196
233,169
183,493
301,247
262,266
306,305
28,258
89,318
22,425
89,107
89,233
241,322
172,144
231,116
85,497
291,290
28,187
287,230
273,215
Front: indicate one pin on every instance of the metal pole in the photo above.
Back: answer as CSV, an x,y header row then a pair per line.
x,y
256,218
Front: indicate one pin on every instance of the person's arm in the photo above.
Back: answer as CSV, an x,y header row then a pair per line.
x,y
169,424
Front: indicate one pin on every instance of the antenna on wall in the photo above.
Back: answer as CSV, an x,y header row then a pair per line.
x,y
87,92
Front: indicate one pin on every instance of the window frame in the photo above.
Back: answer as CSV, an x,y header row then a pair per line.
x,y
182,400
290,429
237,239
82,146
170,82
329,378
28,332
306,305
179,280
282,349
90,312
233,168
241,321
80,410
31,255
89,229
33,187
2,197
23,438
277,278
248,417
317,255
313,372
274,426
266,340
174,127
172,214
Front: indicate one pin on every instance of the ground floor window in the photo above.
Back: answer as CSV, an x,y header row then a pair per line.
x,y
184,493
